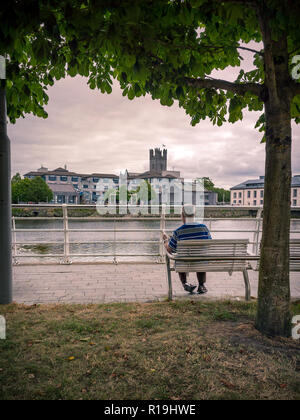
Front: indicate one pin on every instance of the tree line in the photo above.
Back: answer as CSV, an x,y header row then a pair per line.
x,y
28,190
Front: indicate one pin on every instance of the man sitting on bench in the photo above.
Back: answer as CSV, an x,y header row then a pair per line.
x,y
189,230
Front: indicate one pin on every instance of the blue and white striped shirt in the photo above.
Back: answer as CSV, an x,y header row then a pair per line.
x,y
192,231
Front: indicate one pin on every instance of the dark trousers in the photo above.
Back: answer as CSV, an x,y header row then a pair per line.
x,y
200,276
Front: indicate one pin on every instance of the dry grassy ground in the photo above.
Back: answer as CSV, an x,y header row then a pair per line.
x,y
186,350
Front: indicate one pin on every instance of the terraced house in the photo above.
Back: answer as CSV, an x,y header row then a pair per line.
x,y
251,192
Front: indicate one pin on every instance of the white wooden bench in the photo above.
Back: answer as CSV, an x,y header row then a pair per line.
x,y
210,255
294,256
224,255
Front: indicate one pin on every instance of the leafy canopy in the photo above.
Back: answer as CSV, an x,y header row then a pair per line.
x,y
164,48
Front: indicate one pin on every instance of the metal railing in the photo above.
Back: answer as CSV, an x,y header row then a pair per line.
x,y
67,255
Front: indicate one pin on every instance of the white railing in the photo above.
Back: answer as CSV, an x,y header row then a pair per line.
x,y
66,256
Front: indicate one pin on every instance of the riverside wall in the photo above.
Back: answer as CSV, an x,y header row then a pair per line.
x,y
209,212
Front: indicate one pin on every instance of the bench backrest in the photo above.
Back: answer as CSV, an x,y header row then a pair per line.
x,y
211,247
295,252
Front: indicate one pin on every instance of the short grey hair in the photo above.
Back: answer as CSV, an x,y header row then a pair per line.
x,y
189,212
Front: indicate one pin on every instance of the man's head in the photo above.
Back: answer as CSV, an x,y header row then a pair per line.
x,y
188,213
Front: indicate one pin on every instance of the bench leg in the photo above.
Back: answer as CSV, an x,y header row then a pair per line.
x,y
247,285
170,291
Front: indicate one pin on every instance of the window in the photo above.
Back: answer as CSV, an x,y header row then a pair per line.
x,y
248,194
261,202
95,179
294,193
74,178
254,202
52,178
105,180
294,202
240,195
75,186
64,178
61,199
85,186
261,193
240,201
254,194
234,201
234,195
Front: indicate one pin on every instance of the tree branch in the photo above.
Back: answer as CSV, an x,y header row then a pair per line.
x,y
239,88
250,49
200,47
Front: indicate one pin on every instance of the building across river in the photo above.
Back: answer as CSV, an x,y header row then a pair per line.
x,y
251,192
74,188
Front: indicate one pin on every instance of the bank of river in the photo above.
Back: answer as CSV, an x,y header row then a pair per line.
x,y
209,212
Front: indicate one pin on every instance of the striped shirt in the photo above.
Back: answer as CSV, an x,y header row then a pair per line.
x,y
192,231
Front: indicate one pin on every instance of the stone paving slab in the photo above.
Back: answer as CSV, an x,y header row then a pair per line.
x,y
105,283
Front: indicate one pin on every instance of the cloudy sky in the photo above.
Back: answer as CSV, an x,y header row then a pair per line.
x,y
93,132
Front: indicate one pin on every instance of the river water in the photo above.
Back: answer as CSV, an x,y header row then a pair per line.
x,y
97,243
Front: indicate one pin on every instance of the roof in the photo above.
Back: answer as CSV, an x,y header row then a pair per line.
x,y
154,174
95,175
58,171
259,183
63,188
65,172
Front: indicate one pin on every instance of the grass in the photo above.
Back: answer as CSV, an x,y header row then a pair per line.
x,y
169,350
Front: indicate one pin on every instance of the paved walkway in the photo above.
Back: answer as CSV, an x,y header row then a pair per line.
x,y
104,283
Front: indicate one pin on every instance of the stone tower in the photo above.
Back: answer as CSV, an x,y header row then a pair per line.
x,y
158,160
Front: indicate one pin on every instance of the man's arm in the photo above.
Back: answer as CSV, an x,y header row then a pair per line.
x,y
166,240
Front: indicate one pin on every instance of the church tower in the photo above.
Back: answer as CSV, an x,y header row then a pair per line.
x,y
158,160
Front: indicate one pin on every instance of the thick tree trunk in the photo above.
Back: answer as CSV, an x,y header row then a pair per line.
x,y
5,206
273,316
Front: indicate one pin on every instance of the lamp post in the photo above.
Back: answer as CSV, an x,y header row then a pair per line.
x,y
5,198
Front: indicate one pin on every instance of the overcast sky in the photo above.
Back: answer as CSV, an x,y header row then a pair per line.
x,y
93,132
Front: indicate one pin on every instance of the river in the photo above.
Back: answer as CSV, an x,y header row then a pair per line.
x,y
136,247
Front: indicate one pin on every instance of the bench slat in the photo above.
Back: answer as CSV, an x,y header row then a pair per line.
x,y
211,248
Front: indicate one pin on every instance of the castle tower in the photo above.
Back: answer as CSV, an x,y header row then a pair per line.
x,y
158,160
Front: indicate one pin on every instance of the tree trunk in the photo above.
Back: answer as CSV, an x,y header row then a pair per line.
x,y
273,315
5,206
